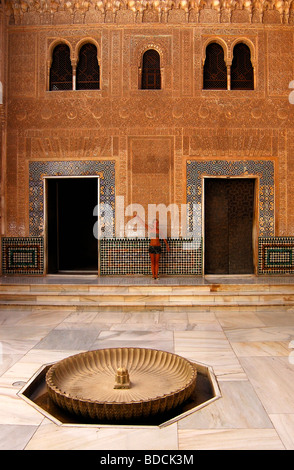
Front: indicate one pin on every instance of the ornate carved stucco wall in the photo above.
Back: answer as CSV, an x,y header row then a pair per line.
x,y
132,127
3,64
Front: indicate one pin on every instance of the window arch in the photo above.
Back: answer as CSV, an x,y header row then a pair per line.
x,y
215,69
242,76
151,75
61,68
88,71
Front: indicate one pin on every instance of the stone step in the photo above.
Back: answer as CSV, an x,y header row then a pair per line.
x,y
104,288
143,289
146,301
148,308
145,297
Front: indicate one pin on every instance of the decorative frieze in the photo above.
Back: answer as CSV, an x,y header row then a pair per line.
x,y
150,11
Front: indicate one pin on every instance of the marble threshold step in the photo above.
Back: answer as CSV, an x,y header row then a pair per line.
x,y
105,294
148,308
105,297
142,289
99,298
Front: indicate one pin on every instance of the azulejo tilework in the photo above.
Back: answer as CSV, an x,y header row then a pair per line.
x,y
261,169
105,169
130,256
276,255
22,255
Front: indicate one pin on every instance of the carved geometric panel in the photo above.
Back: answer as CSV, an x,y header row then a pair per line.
x,y
276,255
22,255
151,169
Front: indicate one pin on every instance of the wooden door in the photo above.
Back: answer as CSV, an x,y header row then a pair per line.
x,y
229,213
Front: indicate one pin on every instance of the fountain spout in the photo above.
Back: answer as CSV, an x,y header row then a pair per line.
x,y
122,379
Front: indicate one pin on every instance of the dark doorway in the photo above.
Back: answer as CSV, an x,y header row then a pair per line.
x,y
229,212
72,246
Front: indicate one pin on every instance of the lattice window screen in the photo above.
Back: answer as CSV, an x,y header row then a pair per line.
x,y
151,77
88,72
242,77
61,69
215,69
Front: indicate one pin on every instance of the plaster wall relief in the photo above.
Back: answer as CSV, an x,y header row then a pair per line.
x,y
116,67
151,171
280,46
23,69
10,214
149,135
186,74
3,62
289,190
135,11
136,45
282,207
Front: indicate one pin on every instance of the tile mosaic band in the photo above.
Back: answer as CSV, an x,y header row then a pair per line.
x,y
130,256
276,255
22,255
25,255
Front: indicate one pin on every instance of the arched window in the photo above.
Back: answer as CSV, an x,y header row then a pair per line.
x,y
88,73
215,69
151,77
61,69
242,77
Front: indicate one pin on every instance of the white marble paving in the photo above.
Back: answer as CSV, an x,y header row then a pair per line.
x,y
273,379
15,411
18,434
248,348
284,424
230,439
102,438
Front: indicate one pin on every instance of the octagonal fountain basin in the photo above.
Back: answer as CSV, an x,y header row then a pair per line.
x,y
36,393
121,384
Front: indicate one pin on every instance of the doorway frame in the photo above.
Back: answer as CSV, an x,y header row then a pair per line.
x,y
255,222
45,215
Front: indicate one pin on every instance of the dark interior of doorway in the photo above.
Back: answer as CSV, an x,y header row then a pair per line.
x,y
229,215
72,247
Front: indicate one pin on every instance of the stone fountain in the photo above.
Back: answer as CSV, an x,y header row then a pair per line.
x,y
121,384
120,387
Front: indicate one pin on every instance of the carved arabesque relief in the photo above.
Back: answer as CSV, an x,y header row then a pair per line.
x,y
138,11
118,111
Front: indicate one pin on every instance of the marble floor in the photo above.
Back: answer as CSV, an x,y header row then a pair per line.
x,y
251,351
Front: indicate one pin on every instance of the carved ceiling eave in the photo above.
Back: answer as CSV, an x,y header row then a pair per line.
x,y
257,11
